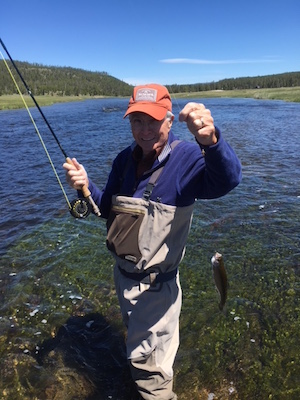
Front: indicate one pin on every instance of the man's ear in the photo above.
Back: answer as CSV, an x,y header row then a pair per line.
x,y
171,121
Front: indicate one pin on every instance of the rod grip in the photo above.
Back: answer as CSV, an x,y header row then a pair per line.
x,y
84,189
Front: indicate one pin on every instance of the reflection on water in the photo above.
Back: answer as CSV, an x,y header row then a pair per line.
x,y
60,329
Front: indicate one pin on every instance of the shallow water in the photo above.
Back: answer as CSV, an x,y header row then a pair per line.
x,y
61,336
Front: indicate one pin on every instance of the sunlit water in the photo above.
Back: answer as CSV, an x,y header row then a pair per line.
x,y
61,335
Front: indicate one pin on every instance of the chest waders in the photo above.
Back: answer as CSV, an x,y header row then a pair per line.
x,y
141,234
147,240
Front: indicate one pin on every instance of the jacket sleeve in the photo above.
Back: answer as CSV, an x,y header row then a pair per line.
x,y
207,172
223,171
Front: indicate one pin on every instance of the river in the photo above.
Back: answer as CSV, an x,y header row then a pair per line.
x,y
61,335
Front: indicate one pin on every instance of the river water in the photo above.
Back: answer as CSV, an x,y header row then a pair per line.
x,y
61,335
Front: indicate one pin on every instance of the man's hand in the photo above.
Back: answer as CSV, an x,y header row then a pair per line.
x,y
200,123
76,174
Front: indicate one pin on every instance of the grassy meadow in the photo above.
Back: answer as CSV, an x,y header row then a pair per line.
x,y
287,94
292,94
14,101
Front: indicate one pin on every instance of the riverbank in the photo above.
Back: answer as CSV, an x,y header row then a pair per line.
x,y
14,101
292,94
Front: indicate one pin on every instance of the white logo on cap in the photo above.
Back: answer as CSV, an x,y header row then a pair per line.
x,y
145,94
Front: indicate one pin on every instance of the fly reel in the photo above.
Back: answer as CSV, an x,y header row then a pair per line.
x,y
80,208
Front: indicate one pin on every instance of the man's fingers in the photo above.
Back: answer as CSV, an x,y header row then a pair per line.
x,y
188,109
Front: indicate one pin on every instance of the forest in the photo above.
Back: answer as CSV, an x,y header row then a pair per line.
x,y
62,81
288,79
67,81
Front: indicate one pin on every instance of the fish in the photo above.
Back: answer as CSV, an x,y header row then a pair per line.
x,y
220,278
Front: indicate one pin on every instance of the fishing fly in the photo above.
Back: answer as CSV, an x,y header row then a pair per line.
x,y
79,208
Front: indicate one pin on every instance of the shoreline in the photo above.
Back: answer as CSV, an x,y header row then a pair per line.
x,y
15,102
291,94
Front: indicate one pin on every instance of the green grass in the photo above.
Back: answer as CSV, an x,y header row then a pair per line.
x,y
292,94
287,94
14,101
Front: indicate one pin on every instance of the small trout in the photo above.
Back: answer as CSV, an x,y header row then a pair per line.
x,y
220,278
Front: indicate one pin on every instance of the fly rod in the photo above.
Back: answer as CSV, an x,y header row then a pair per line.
x,y
79,208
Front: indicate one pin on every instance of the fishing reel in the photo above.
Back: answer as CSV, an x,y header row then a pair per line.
x,y
80,208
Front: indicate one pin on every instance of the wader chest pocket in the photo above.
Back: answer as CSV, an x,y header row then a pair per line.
x,y
123,226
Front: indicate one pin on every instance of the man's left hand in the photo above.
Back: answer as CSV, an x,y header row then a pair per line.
x,y
200,123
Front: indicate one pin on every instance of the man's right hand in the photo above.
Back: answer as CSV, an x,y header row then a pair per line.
x,y
76,174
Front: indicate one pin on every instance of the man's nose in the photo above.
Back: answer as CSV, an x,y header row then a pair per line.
x,y
146,127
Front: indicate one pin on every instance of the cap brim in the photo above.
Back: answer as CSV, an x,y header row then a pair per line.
x,y
154,111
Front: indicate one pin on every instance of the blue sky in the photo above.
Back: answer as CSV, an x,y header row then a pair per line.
x,y
158,41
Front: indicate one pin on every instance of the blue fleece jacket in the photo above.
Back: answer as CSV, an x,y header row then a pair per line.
x,y
188,174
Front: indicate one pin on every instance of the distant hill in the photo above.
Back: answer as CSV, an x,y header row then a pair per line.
x,y
67,81
63,81
288,79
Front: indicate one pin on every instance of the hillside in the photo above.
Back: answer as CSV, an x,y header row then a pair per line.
x,y
64,81
285,80
67,81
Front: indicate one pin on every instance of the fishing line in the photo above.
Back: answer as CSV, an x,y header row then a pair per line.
x,y
79,208
173,97
37,131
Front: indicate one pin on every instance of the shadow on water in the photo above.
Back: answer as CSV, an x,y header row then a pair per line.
x,y
87,357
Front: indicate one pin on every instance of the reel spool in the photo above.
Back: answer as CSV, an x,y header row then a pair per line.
x,y
80,208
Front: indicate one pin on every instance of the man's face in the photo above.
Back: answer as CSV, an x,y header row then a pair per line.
x,y
149,133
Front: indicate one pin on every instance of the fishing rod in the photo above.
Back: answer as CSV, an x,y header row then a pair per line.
x,y
79,208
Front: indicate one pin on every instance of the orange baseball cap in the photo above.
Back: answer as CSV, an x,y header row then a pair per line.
x,y
152,99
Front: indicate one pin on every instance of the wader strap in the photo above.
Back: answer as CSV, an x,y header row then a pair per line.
x,y
156,174
150,277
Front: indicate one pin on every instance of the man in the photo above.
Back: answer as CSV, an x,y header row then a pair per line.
x,y
148,203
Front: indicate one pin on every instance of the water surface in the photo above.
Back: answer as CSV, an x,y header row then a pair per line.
x,y
61,335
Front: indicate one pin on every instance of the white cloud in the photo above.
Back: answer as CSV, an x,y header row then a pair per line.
x,y
213,62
